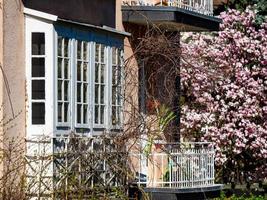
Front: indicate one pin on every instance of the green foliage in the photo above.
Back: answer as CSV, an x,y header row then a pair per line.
x,y
260,5
234,197
164,117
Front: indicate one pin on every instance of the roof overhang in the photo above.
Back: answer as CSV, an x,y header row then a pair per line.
x,y
54,19
170,18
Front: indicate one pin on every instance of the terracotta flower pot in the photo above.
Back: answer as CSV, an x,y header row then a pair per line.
x,y
152,105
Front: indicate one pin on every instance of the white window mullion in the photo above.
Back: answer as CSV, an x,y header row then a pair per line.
x,y
91,72
109,115
72,84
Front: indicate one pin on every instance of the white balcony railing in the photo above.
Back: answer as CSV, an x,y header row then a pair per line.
x,y
200,6
187,165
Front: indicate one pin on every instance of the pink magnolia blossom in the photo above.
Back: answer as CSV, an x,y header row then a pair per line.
x,y
224,85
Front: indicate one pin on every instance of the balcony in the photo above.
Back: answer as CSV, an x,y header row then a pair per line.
x,y
172,15
200,6
177,169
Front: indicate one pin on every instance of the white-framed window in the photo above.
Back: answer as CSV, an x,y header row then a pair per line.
x,y
39,72
82,83
100,84
85,93
38,78
117,90
73,78
63,81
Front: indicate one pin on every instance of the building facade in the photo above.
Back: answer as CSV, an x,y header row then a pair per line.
x,y
63,61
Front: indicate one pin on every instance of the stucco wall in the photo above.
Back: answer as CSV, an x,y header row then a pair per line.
x,y
14,67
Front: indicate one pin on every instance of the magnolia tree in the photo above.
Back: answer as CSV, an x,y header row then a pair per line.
x,y
224,94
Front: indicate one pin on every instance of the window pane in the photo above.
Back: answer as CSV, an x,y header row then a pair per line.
x,y
59,46
114,75
38,67
66,68
97,49
79,67
85,72
85,51
85,114
119,96
85,87
97,73
118,115
119,74
120,58
102,73
38,44
102,53
66,47
79,50
79,88
96,94
102,94
113,95
96,114
38,89
66,110
113,115
102,108
59,90
79,113
59,68
59,112
66,90
38,113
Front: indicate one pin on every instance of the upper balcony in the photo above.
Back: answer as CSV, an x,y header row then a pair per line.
x,y
200,6
181,15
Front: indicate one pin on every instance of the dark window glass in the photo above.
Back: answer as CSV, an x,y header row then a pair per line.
x,y
38,113
59,111
38,89
38,67
79,111
38,44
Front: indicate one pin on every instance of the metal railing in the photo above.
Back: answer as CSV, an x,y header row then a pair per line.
x,y
200,6
186,165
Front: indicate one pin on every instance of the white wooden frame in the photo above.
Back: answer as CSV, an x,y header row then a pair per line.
x,y
88,82
33,24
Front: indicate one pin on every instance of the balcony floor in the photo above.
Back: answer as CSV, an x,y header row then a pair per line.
x,y
198,193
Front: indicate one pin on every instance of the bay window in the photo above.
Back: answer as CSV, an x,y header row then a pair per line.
x,y
74,76
89,81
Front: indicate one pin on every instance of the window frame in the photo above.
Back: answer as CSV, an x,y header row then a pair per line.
x,y
91,127
37,25
106,89
120,64
68,123
89,63
39,78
